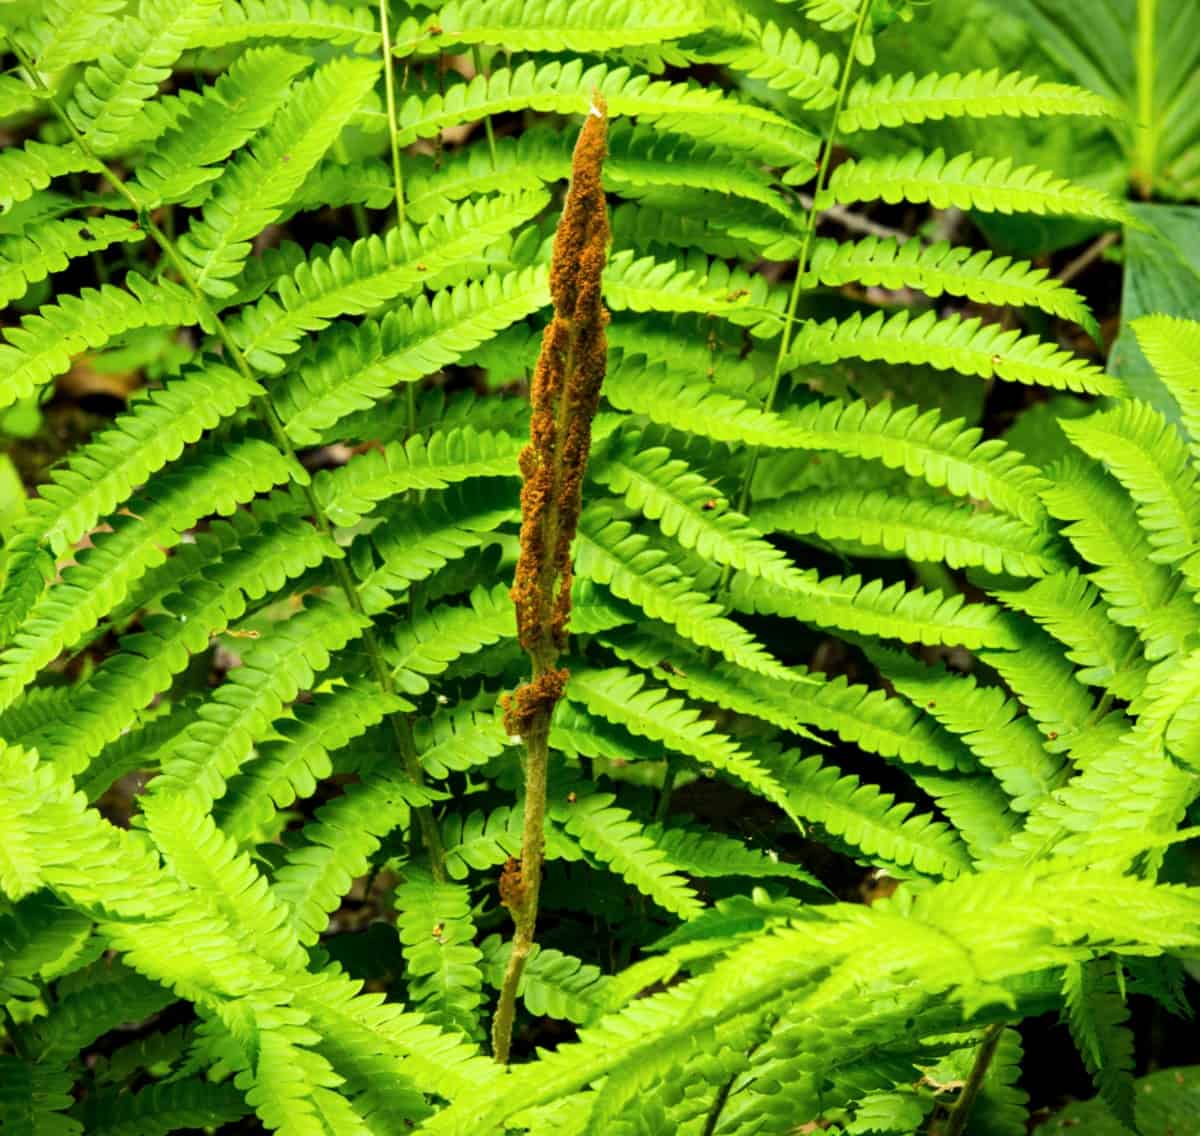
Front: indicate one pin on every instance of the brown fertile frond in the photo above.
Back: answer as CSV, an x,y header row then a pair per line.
x,y
565,395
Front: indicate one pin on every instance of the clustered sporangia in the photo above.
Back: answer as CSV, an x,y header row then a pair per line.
x,y
565,395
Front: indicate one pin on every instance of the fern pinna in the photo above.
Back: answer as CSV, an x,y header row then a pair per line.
x,y
315,500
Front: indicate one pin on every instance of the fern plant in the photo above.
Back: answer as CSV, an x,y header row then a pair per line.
x,y
317,507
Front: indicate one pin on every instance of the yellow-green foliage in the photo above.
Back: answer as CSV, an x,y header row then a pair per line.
x,y
320,484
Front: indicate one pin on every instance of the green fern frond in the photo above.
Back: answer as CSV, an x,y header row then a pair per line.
x,y
152,920
700,852
968,346
553,983
832,15
331,183
640,158
136,748
674,219
692,284
895,101
433,920
651,340
68,31
34,1098
611,835
395,1049
107,99
634,569
1069,607
102,474
800,960
432,641
871,822
564,88
778,56
487,840
521,164
942,453
1100,520
231,541
198,854
1167,714
291,765
199,764
243,21
887,726
249,639
593,27
1098,1017
337,847
355,366
645,157
624,698
1148,456
942,268
686,506
964,181
163,1049
421,540
17,98
579,733
1154,791
481,840
1172,347
150,658
991,724
39,706
463,736
42,939
214,479
677,401
292,1087
889,611
42,346
1001,1108
1047,684
253,189
352,279
26,169
49,246
920,529
352,491
161,1108
977,807
214,124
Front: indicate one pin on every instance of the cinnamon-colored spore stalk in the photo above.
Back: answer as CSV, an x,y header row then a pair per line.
x,y
565,395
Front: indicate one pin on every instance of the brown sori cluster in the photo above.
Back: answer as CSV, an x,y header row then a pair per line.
x,y
512,888
533,701
565,395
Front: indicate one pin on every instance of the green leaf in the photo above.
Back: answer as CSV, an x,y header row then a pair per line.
x,y
1162,275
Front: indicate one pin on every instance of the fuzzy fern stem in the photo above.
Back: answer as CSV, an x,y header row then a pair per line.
x,y
810,229
956,1122
269,415
565,396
